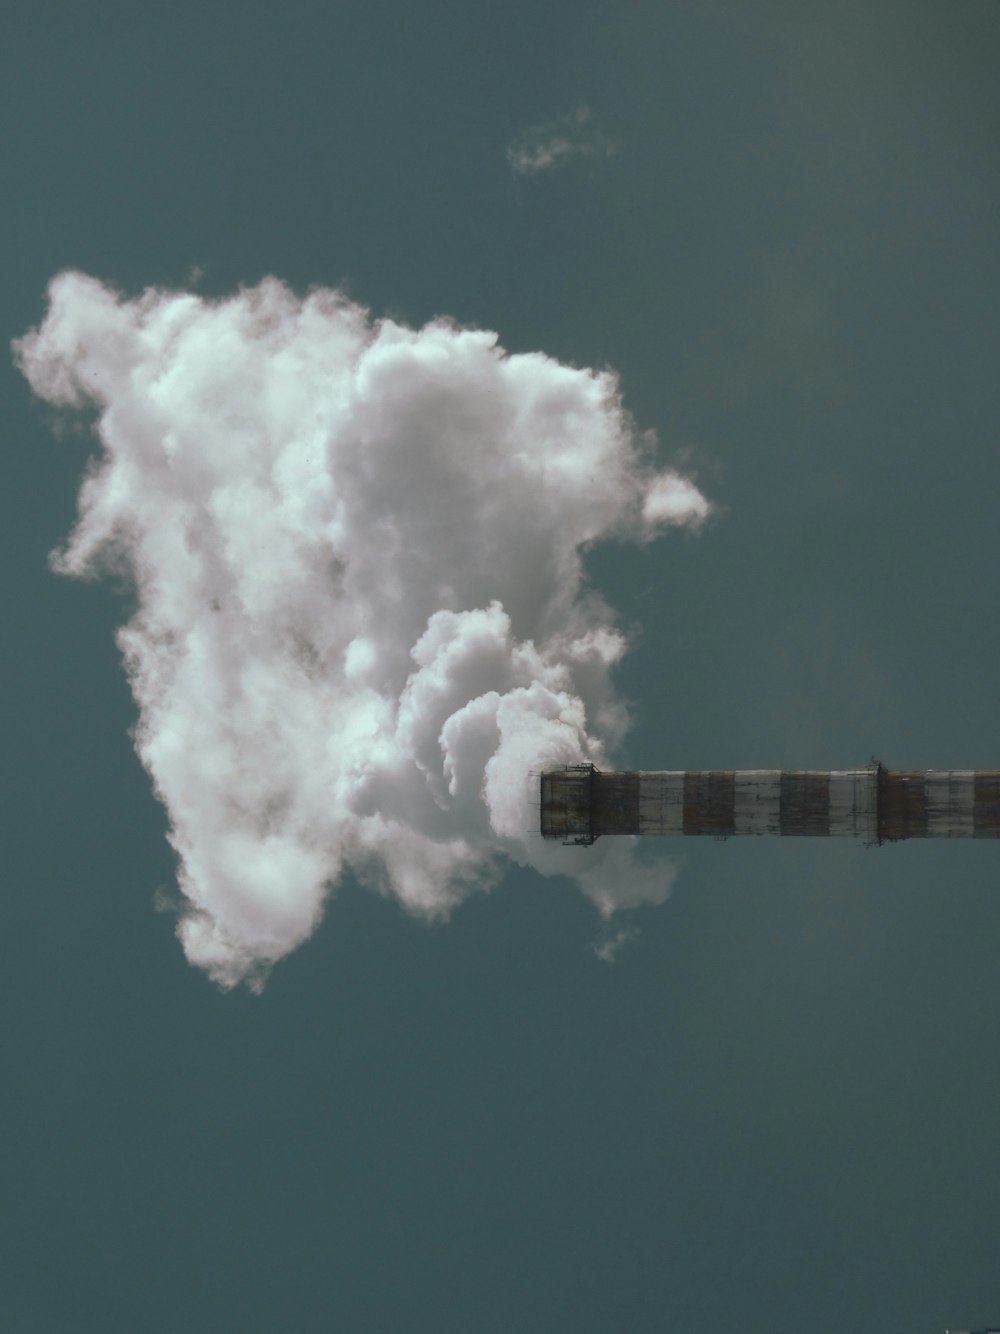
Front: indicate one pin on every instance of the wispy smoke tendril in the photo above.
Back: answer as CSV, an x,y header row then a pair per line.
x,y
558,142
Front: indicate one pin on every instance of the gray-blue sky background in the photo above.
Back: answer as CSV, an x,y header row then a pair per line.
x,y
777,1109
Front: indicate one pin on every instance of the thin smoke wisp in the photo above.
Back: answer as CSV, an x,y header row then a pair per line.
x,y
361,628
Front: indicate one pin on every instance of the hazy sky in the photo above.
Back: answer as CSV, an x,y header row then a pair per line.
x,y
768,1102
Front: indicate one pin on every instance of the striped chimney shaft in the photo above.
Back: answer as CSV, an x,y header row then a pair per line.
x,y
878,805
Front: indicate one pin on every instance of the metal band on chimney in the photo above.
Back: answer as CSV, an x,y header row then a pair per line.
x,y
757,801
986,811
949,802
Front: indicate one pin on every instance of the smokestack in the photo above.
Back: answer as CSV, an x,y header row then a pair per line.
x,y
878,805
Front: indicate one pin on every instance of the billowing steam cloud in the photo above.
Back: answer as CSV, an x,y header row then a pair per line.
x,y
361,628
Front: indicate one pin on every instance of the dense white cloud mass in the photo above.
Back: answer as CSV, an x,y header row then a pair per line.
x,y
557,143
361,628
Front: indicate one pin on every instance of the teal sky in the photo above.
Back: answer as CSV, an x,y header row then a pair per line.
x,y
776,1110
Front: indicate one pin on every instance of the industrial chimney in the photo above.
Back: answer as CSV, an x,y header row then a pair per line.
x,y
878,805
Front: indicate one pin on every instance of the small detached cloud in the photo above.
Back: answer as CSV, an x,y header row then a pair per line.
x,y
558,142
608,947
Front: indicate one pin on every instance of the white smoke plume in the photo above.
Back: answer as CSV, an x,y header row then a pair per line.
x,y
361,628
